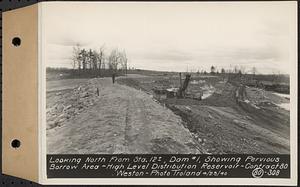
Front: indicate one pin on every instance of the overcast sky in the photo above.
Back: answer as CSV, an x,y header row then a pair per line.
x,y
174,36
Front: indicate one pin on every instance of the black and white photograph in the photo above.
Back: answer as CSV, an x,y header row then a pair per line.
x,y
168,78
151,93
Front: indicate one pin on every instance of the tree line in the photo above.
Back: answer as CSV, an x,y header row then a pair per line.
x,y
234,70
98,61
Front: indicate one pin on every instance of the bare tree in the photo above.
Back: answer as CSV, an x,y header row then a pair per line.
x,y
90,59
223,71
76,58
101,59
123,60
114,60
94,61
236,69
212,69
242,69
83,58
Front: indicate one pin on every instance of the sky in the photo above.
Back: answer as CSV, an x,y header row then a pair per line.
x,y
175,36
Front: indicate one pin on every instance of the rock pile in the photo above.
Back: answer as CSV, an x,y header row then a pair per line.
x,y
69,103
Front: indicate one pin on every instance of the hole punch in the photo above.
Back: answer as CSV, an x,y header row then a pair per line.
x,y
16,41
16,143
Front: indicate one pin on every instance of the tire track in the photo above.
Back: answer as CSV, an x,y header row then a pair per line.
x,y
137,132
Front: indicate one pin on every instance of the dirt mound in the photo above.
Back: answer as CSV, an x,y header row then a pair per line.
x,y
65,104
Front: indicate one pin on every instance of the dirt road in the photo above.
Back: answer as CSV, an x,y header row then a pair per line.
x,y
120,120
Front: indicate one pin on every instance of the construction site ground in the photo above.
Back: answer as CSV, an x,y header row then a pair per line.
x,y
125,117
119,120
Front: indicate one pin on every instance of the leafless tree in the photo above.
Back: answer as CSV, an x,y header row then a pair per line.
x,y
83,58
101,58
76,58
212,69
117,59
242,69
223,71
114,60
123,60
93,59
236,69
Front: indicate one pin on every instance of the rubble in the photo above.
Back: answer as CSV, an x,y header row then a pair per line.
x,y
70,104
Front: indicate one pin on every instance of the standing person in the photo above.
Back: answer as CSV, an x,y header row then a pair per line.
x,y
113,78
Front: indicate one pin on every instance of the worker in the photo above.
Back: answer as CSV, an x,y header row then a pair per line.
x,y
113,78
